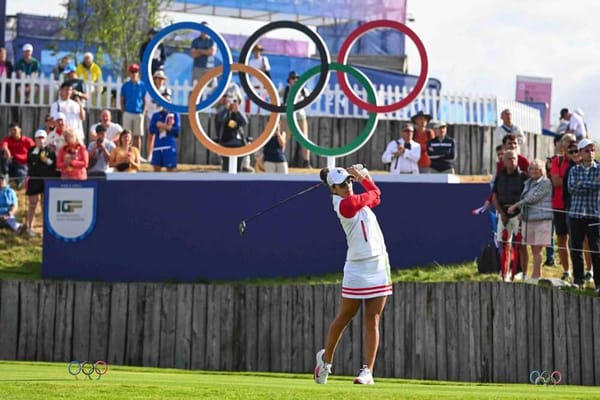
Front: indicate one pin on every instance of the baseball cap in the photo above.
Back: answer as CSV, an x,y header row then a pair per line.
x,y
28,47
100,128
584,143
40,133
408,127
166,92
439,124
152,31
258,47
59,115
292,74
69,68
159,74
336,176
134,68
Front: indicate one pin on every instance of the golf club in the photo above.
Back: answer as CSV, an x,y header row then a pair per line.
x,y
243,224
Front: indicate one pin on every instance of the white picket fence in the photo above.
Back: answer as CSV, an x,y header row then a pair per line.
x,y
453,108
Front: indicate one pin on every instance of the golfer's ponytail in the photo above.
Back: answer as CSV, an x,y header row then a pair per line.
x,y
323,175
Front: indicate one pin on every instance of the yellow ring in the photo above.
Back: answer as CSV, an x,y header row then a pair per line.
x,y
203,137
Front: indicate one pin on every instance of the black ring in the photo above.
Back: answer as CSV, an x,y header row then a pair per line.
x,y
323,55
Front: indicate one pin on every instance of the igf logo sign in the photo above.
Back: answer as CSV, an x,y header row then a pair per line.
x,y
68,206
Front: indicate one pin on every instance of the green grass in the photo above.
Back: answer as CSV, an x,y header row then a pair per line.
x,y
23,380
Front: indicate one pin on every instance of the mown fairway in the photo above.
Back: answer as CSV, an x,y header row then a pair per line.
x,y
21,380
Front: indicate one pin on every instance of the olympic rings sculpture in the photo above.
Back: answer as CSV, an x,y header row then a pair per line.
x,y
228,67
545,378
88,368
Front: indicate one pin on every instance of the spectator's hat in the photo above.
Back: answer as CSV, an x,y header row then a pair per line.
x,y
420,114
159,74
166,92
408,127
40,133
292,75
439,124
258,47
59,115
69,68
100,128
28,47
584,143
134,68
152,31
336,176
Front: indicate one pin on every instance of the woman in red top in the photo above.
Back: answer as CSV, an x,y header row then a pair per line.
x,y
422,136
73,158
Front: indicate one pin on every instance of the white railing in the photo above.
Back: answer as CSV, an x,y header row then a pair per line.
x,y
454,108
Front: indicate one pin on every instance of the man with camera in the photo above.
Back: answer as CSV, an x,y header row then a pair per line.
x,y
403,154
99,151
229,123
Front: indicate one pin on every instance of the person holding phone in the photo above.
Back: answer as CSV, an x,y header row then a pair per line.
x,y
99,151
367,276
162,143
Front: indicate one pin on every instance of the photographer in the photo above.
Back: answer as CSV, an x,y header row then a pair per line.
x,y
99,151
403,154
230,122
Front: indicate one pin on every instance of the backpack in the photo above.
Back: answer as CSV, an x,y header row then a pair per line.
x,y
489,260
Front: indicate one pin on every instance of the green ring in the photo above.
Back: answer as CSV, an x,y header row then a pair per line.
x,y
357,143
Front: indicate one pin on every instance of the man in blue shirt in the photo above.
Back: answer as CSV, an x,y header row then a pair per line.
x,y
583,183
203,51
162,144
133,106
8,206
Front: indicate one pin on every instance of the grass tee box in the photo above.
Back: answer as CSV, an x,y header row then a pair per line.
x,y
30,381
187,230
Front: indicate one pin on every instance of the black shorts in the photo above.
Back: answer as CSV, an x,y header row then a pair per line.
x,y
560,222
35,186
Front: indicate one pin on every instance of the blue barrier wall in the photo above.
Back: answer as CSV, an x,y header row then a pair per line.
x,y
188,230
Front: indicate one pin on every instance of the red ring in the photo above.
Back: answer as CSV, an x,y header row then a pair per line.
x,y
343,57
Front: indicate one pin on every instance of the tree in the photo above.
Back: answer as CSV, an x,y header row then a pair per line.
x,y
117,28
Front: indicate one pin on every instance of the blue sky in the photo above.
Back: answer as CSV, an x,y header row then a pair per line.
x,y
481,46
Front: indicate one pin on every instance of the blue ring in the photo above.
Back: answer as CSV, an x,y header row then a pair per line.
x,y
223,82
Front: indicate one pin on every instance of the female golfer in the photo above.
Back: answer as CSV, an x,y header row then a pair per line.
x,y
366,272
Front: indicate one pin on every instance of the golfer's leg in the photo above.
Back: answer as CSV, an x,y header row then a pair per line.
x,y
347,311
373,309
536,252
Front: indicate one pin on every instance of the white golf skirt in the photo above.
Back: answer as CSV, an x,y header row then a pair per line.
x,y
368,278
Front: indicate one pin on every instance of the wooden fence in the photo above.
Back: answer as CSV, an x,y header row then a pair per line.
x,y
482,332
475,144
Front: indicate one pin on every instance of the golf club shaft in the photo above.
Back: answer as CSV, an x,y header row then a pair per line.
x,y
283,201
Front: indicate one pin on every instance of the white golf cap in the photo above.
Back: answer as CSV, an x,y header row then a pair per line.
x,y
584,143
28,47
40,133
336,176
59,115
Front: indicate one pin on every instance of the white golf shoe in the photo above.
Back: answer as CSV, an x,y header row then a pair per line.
x,y
365,377
322,369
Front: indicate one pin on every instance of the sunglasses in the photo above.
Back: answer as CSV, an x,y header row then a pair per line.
x,y
573,151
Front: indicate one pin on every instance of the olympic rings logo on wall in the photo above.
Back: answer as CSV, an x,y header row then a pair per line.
x,y
545,378
225,70
88,368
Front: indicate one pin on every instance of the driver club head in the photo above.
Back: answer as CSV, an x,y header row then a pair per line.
x,y
242,228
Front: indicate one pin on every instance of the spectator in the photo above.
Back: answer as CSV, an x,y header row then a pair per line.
x,y
300,116
72,159
60,66
507,190
111,129
158,57
508,128
13,154
274,153
78,85
576,124
442,150
55,138
41,162
574,159
203,50
159,78
403,154
259,61
125,157
584,213
164,130
73,110
99,151
230,122
48,124
536,211
422,135
8,206
28,67
89,71
6,67
133,105
510,143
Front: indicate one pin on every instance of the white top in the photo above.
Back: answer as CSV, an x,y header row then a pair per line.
x,y
151,106
72,111
261,63
504,130
363,235
577,126
102,163
112,132
407,163
56,140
